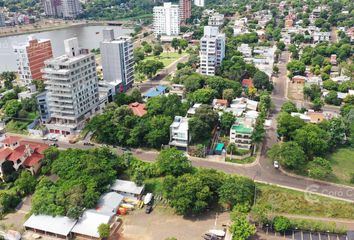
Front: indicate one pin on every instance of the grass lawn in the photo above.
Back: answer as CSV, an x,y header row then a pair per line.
x,y
343,164
282,200
166,58
241,161
20,126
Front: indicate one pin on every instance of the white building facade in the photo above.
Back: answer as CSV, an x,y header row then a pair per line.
x,y
72,86
199,3
212,50
117,60
179,133
167,20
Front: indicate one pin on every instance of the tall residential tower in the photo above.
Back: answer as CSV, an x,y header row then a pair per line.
x,y
185,10
212,50
117,60
166,20
72,88
30,58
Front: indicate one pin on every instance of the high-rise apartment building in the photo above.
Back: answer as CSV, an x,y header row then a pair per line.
x,y
117,60
212,50
62,8
199,3
30,58
185,10
53,8
72,88
71,8
2,19
166,20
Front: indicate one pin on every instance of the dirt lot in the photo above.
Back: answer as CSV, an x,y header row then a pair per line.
x,y
162,224
296,91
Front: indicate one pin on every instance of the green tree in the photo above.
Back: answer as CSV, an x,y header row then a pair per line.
x,y
104,230
203,95
330,85
241,229
236,190
312,139
281,45
149,67
332,98
227,120
229,94
296,67
173,162
288,107
139,54
261,81
317,104
158,49
289,154
25,183
12,107
187,194
281,224
287,125
319,168
147,48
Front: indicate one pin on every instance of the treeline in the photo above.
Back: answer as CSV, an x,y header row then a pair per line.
x,y
306,145
82,176
119,126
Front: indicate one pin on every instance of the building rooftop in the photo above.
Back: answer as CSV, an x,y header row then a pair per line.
x,y
241,128
138,109
109,202
127,187
58,225
89,222
156,91
181,123
247,83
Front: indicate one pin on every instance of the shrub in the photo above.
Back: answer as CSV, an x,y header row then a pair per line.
x,y
281,224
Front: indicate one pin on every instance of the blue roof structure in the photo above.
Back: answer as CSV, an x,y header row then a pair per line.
x,y
156,91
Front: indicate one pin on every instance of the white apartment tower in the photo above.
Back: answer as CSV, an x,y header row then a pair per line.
x,y
166,20
199,3
117,60
71,8
72,88
212,50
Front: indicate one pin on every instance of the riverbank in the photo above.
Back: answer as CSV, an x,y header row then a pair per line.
x,y
50,25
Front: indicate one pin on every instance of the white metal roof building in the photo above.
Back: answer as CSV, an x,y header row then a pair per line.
x,y
127,188
89,222
109,203
58,226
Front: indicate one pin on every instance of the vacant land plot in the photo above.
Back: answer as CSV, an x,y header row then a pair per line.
x,y
343,164
281,200
162,224
295,91
166,57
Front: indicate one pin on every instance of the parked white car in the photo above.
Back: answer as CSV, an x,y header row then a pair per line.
x,y
276,164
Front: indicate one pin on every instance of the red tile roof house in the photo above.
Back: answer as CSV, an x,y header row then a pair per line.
x,y
138,109
21,153
247,83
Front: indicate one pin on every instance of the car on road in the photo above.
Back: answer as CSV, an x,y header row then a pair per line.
x,y
148,209
53,139
45,138
54,145
276,164
88,144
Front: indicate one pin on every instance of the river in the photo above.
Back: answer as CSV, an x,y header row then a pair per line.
x,y
89,37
